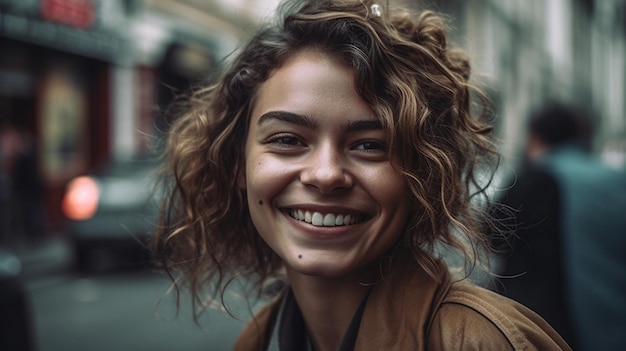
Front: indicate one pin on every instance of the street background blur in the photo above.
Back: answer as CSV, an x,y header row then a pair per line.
x,y
85,84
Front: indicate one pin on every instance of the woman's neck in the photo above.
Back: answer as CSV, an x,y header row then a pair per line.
x,y
328,305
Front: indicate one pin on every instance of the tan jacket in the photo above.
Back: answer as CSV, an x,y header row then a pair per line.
x,y
411,311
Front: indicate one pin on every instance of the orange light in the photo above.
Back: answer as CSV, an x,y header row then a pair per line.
x,y
81,199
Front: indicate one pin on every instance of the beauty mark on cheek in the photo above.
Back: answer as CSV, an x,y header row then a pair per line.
x,y
260,202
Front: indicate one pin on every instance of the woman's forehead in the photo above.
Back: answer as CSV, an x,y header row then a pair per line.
x,y
310,82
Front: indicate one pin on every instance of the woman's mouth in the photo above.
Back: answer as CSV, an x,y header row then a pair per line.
x,y
325,219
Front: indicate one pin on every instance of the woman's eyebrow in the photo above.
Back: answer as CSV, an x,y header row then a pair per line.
x,y
363,125
288,117
311,123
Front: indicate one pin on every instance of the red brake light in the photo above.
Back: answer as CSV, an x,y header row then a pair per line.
x,y
81,199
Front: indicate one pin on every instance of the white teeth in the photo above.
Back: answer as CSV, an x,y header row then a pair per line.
x,y
320,220
347,220
329,220
317,219
339,220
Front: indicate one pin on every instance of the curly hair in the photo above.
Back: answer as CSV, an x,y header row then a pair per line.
x,y
416,85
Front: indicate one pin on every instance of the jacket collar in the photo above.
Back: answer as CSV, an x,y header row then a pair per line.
x,y
399,310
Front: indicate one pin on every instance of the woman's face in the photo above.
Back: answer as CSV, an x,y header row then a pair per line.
x,y
321,191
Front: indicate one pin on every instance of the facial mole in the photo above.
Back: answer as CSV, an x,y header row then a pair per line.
x,y
299,256
260,202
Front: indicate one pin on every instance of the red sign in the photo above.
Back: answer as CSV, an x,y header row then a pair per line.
x,y
74,13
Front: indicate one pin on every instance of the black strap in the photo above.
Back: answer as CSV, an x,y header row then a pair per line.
x,y
349,339
289,332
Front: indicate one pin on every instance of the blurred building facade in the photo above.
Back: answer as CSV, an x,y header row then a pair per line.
x,y
87,81
528,51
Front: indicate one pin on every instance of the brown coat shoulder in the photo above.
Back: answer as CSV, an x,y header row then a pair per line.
x,y
411,311
473,318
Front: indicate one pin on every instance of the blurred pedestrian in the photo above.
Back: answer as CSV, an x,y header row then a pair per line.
x,y
29,189
565,259
11,151
340,150
21,186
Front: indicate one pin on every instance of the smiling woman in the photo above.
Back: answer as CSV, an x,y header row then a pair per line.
x,y
355,153
314,146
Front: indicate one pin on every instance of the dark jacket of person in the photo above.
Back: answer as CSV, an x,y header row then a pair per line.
x,y
593,219
410,310
531,256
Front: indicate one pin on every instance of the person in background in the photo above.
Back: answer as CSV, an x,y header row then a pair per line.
x,y
337,154
565,210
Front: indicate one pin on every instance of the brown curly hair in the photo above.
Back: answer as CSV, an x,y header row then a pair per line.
x,y
416,85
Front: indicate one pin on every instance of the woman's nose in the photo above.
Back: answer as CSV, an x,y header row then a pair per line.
x,y
326,170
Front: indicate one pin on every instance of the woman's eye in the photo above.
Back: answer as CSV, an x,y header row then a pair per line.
x,y
371,146
285,141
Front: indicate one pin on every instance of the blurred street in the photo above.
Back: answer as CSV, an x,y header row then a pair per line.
x,y
117,310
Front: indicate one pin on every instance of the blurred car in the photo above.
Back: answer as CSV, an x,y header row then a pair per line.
x,y
111,215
